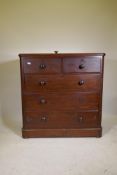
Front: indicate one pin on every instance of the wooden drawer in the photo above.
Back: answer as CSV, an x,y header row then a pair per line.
x,y
81,82
42,65
61,101
75,65
61,120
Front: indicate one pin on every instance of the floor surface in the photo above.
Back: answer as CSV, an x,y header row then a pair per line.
x,y
57,156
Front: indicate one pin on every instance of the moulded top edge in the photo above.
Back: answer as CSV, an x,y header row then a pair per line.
x,y
62,54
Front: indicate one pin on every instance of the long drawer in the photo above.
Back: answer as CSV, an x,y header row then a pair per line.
x,y
61,119
80,82
61,101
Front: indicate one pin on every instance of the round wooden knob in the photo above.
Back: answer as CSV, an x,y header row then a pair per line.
x,y
81,66
42,101
42,83
43,118
42,66
80,119
81,82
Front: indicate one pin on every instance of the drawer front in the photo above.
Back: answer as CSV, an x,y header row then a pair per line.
x,y
61,101
74,65
61,120
81,82
42,65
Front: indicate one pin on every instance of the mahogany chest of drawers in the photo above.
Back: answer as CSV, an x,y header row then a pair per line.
x,y
62,94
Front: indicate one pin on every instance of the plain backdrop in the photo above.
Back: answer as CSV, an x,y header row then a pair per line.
x,y
43,26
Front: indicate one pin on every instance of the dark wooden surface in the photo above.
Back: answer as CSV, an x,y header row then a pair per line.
x,y
42,66
62,94
73,65
43,83
61,101
58,119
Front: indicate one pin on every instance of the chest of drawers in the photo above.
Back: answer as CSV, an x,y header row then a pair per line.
x,y
62,94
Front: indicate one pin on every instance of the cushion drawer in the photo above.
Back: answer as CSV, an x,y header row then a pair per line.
x,y
74,65
42,66
61,101
56,119
81,82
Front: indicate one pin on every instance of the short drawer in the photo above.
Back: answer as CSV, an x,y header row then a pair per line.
x,y
42,65
61,101
55,119
75,65
80,82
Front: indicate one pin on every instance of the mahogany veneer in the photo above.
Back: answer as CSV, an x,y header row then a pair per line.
x,y
62,94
